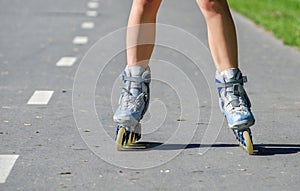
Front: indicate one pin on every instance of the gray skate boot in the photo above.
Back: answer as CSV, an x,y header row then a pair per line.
x,y
133,104
234,102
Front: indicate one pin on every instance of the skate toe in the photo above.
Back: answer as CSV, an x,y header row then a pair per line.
x,y
240,120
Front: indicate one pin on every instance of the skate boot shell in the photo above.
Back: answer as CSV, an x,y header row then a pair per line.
x,y
233,99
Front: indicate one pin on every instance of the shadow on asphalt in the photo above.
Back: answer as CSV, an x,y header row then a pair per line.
x,y
260,149
276,149
163,146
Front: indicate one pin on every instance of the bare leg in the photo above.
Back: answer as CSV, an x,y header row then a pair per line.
x,y
142,12
134,98
234,101
221,33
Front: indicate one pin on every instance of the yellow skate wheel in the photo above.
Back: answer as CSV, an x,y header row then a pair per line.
x,y
120,137
248,142
130,138
133,138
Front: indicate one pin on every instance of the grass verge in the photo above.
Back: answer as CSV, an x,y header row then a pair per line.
x,y
281,17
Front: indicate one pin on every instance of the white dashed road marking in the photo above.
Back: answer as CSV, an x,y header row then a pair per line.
x,y
40,97
80,40
93,5
87,25
92,13
66,61
6,164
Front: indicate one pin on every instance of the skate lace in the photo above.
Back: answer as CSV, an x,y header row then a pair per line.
x,y
130,101
236,100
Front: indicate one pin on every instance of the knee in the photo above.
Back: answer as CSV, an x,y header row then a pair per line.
x,y
146,5
212,7
206,5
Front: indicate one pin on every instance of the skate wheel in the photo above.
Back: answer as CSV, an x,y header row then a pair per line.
x,y
130,139
248,142
120,138
134,138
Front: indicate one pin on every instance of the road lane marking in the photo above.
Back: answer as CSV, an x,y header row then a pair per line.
x,y
40,97
80,40
87,25
92,13
6,164
66,61
93,5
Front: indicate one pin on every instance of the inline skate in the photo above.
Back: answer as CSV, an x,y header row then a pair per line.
x,y
235,105
133,104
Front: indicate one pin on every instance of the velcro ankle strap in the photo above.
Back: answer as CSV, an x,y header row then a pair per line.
x,y
243,80
134,79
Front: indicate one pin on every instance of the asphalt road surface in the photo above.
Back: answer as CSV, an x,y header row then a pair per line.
x,y
59,68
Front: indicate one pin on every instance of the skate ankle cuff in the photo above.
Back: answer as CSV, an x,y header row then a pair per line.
x,y
139,79
241,81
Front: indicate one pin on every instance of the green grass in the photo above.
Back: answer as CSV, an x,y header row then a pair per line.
x,y
282,17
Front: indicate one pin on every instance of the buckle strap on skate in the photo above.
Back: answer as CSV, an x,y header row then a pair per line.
x,y
134,79
230,84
